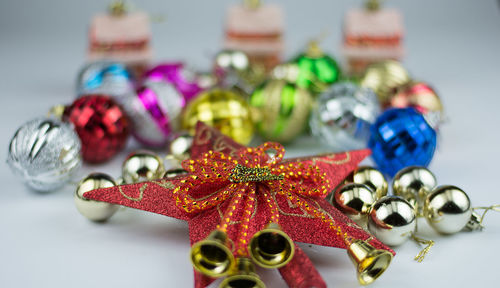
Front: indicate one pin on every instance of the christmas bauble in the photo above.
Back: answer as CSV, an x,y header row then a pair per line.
x,y
105,77
420,96
225,110
45,153
317,70
370,177
448,209
282,110
413,184
233,70
154,112
180,147
142,166
101,124
343,114
401,138
94,210
385,78
183,79
392,220
354,200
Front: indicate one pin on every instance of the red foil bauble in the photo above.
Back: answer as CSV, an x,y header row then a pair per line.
x,y
101,124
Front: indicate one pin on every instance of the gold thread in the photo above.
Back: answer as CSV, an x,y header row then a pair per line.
x,y
141,193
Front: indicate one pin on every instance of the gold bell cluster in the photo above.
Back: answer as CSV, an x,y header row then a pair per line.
x,y
393,219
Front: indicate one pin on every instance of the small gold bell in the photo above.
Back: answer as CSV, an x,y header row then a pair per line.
x,y
243,276
370,262
372,178
94,210
271,247
212,256
414,184
142,166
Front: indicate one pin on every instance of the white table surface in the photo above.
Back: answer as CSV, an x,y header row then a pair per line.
x,y
45,242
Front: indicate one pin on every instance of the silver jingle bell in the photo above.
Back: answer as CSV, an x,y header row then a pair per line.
x,y
354,200
448,209
413,184
45,153
142,166
343,115
392,220
372,178
94,210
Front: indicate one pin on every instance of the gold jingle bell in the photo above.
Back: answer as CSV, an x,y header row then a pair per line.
x,y
180,147
94,210
370,262
271,247
212,256
384,78
142,166
355,200
448,209
392,220
370,177
243,276
225,110
413,184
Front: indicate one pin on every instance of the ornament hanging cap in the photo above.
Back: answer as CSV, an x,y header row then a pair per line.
x,y
372,5
118,8
313,49
251,4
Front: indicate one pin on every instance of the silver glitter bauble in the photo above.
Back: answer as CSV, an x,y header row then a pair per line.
x,y
154,111
448,209
94,210
45,153
105,77
342,116
392,220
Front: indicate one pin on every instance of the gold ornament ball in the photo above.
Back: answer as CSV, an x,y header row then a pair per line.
x,y
392,220
142,166
94,210
354,200
370,177
180,147
413,184
225,110
448,209
384,78
281,110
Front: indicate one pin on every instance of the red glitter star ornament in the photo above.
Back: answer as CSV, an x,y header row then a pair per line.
x,y
249,202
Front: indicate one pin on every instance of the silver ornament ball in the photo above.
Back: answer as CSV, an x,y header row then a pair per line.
x,y
91,209
105,77
45,153
392,220
448,209
154,111
342,116
414,183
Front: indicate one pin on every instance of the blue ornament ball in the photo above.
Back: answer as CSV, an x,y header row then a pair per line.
x,y
401,138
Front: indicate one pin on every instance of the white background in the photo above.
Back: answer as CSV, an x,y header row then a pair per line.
x,y
44,242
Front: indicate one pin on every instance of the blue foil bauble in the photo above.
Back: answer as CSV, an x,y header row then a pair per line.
x,y
105,77
401,138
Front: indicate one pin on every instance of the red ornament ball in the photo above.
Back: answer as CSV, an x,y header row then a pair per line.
x,y
101,124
